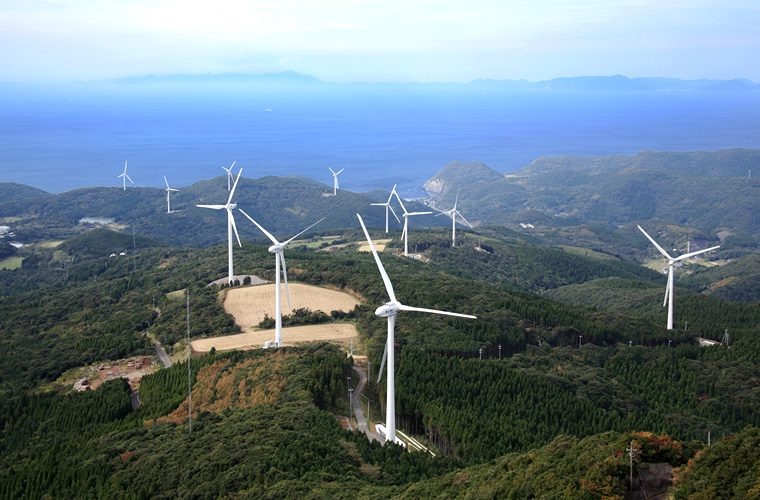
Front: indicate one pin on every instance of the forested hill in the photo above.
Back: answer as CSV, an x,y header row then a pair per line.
x,y
283,205
11,191
706,190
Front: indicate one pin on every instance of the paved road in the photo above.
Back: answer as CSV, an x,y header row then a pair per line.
x,y
360,420
162,355
135,396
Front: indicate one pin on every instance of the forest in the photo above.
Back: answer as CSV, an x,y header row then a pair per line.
x,y
568,362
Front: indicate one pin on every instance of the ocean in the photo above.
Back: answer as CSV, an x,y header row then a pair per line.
x,y
74,136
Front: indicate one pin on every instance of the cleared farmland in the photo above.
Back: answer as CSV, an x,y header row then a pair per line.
x,y
249,305
339,333
379,245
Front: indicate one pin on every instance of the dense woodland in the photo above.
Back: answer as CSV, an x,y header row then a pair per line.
x,y
567,362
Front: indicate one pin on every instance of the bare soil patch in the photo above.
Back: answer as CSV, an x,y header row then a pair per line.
x,y
339,333
249,305
379,245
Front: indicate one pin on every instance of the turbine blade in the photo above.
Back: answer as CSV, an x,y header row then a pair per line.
x,y
274,240
393,191
130,179
333,171
399,200
663,252
382,363
419,213
234,227
167,183
299,234
435,311
394,214
462,216
692,254
456,200
386,279
215,207
285,275
229,200
339,171
378,204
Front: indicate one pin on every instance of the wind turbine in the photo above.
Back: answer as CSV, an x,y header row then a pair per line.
x,y
229,206
390,310
387,206
124,177
335,179
277,250
406,216
453,214
168,194
671,264
229,174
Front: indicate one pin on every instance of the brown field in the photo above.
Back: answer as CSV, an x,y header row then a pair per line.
x,y
249,305
379,245
290,336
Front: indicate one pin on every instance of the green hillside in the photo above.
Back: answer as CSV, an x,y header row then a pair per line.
x,y
11,191
705,190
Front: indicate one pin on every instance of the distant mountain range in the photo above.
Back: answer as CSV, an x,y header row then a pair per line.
x,y
617,83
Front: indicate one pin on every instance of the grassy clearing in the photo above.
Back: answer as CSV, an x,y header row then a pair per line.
x,y
585,252
379,245
11,263
250,304
50,244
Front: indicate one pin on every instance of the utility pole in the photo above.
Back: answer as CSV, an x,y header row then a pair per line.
x,y
632,452
350,406
352,348
189,373
481,353
369,369
499,351
669,341
580,341
630,343
685,326
708,438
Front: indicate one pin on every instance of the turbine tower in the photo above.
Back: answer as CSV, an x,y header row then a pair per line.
x,y
229,206
390,310
124,177
453,213
229,174
335,179
168,194
671,265
277,250
387,206
406,216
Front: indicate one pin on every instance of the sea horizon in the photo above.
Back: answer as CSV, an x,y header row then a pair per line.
x,y
80,136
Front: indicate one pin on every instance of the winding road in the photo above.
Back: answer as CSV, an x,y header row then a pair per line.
x,y
361,422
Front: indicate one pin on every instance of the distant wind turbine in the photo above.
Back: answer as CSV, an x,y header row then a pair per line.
x,y
335,179
229,206
168,195
277,250
453,213
671,264
390,310
124,177
387,206
406,216
229,174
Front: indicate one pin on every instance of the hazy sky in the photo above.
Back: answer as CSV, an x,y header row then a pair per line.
x,y
379,40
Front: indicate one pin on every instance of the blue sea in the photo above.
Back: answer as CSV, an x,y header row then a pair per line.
x,y
61,138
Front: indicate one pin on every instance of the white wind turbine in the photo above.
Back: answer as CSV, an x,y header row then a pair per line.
x,y
387,206
229,206
453,213
277,250
124,177
229,174
671,264
335,179
390,310
168,194
406,215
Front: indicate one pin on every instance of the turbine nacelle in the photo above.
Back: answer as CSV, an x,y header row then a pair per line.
x,y
276,248
388,309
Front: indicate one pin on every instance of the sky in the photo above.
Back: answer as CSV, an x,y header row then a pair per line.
x,y
379,40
